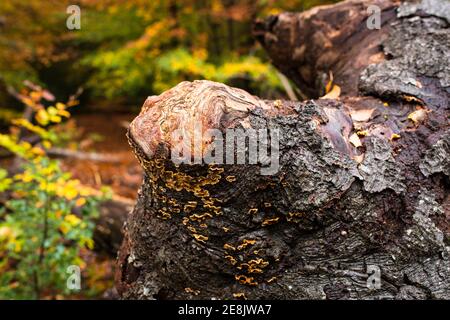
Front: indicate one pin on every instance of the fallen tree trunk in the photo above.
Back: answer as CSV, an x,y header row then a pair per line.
x,y
346,198
336,39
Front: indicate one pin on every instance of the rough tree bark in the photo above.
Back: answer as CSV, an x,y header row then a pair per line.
x,y
362,184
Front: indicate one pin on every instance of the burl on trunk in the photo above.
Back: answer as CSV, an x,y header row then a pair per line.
x,y
324,199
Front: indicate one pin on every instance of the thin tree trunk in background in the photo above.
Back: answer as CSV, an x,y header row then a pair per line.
x,y
230,28
230,24
216,48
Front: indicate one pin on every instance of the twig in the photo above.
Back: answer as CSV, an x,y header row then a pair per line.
x,y
287,87
92,156
66,153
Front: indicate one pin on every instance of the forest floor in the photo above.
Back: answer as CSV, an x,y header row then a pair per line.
x,y
124,175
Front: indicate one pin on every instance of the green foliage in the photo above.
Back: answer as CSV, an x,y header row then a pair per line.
x,y
176,43
178,65
118,73
135,48
29,35
187,40
48,217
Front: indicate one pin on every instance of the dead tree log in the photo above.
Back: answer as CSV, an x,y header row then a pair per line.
x,y
308,231
411,44
358,206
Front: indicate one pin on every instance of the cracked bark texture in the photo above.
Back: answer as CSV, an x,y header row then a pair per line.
x,y
363,180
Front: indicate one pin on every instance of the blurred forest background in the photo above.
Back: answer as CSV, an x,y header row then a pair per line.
x,y
57,157
127,50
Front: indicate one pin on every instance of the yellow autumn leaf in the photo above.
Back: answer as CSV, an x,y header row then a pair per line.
x,y
26,177
72,219
80,262
42,117
27,101
395,136
329,84
64,113
362,133
80,202
67,190
58,214
86,192
200,53
417,116
72,103
354,140
412,99
335,93
40,204
55,119
38,151
28,125
17,247
89,243
36,95
51,187
46,144
60,106
70,194
5,232
64,228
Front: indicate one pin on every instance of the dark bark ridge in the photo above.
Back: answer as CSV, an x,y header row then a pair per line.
x,y
307,46
419,54
361,183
